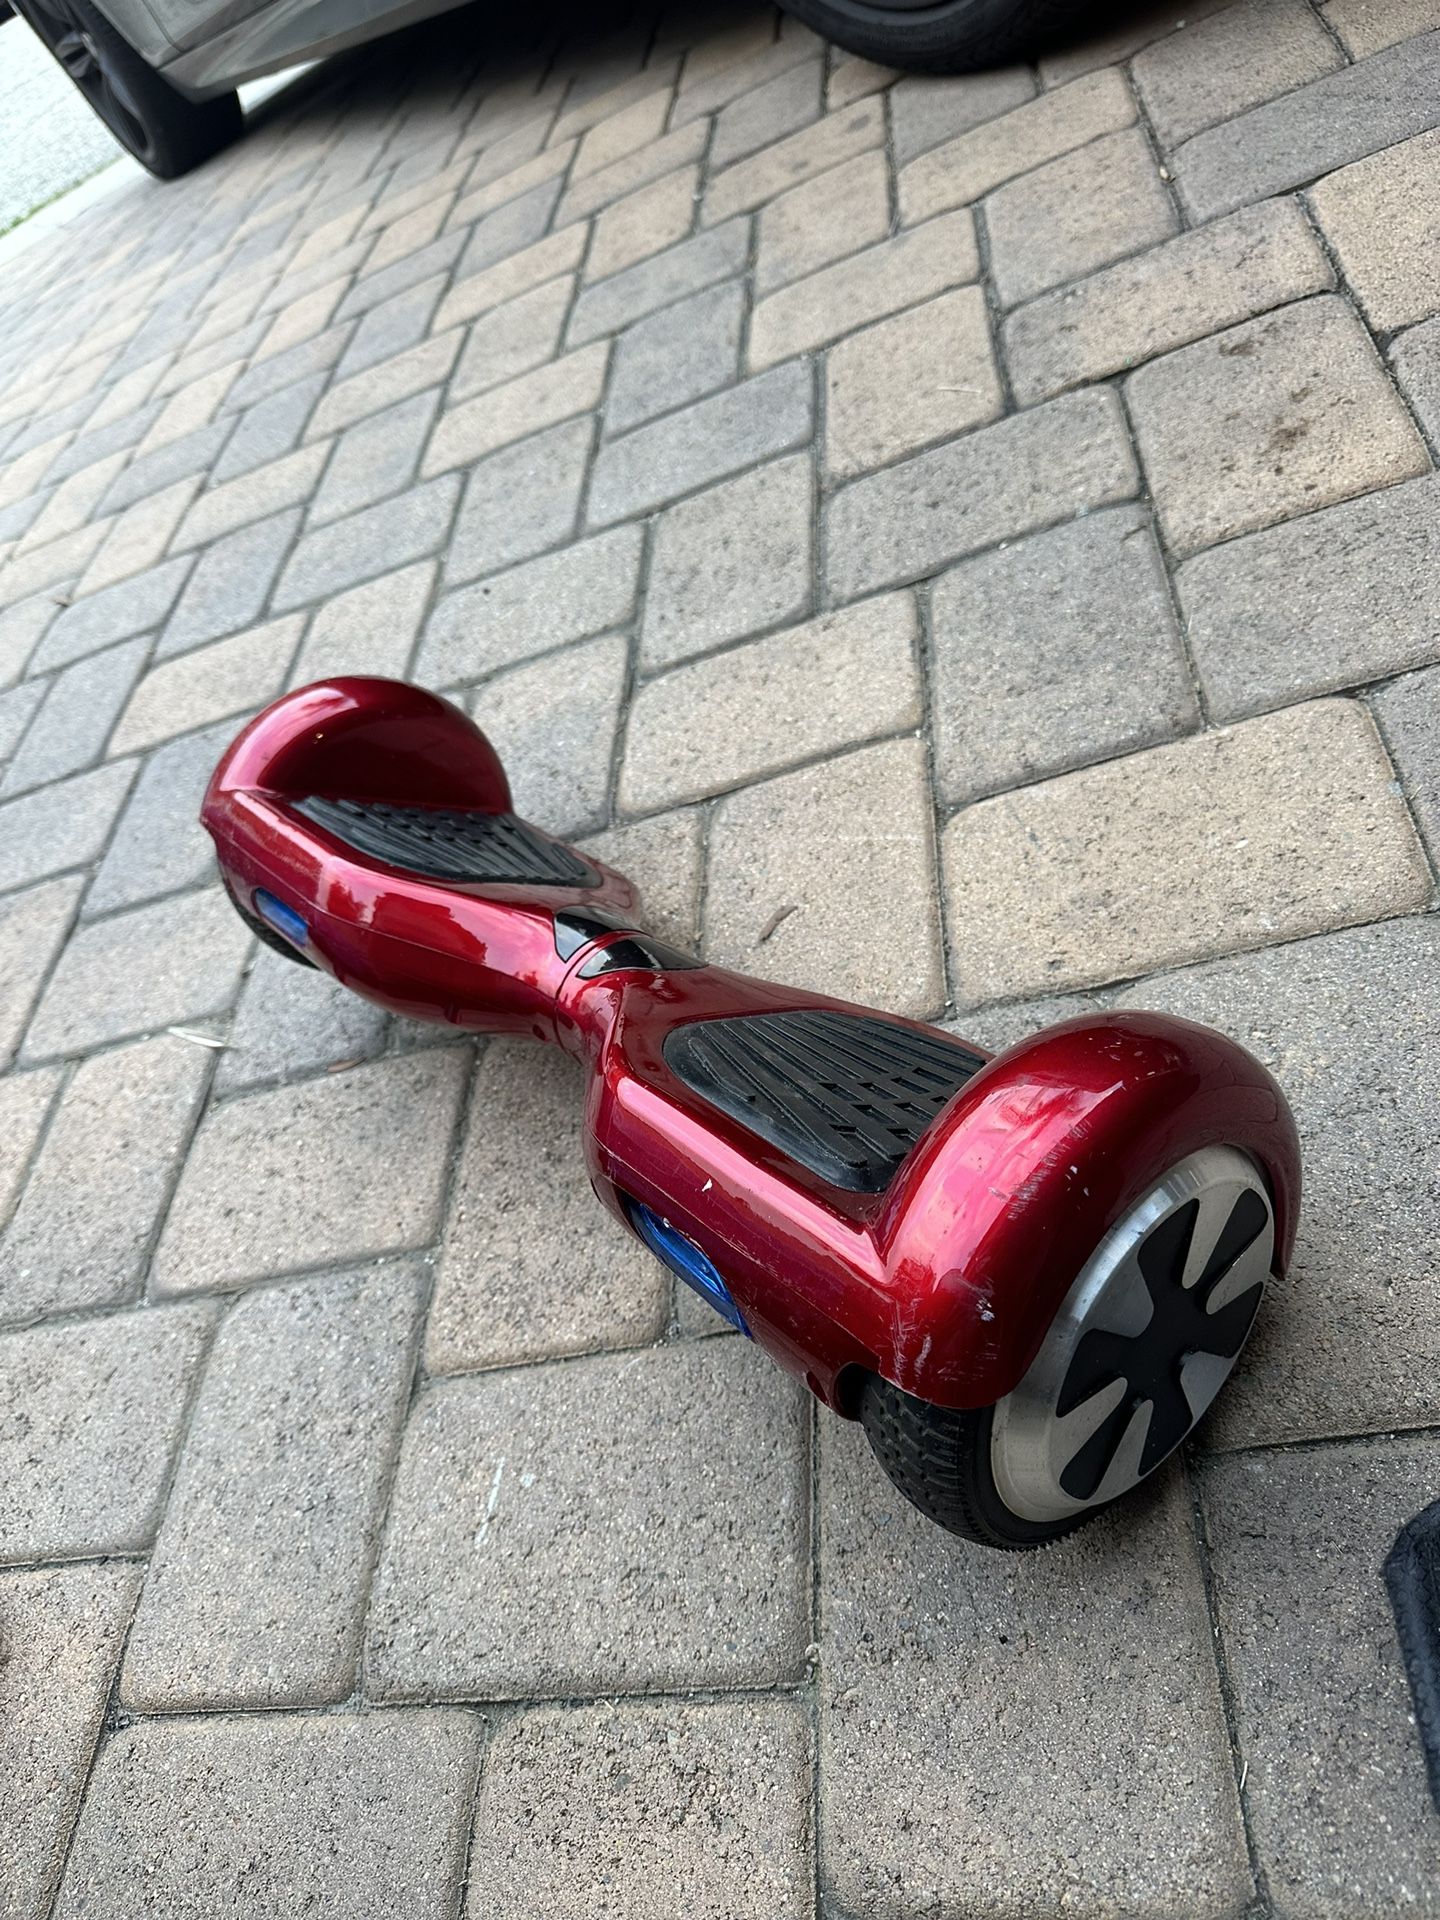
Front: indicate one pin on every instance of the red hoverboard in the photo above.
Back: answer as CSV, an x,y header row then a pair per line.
x,y
1027,1275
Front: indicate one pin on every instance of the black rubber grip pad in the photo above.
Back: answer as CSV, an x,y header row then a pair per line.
x,y
1412,1573
442,844
845,1094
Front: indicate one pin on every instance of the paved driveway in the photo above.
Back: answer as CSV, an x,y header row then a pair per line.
x,y
972,545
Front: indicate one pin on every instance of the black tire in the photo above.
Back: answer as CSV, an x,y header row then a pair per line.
x,y
167,133
940,1461
954,37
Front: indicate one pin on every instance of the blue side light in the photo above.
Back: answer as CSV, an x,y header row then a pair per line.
x,y
684,1258
286,922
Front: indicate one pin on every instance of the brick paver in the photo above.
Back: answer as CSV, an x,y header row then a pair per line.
x,y
966,543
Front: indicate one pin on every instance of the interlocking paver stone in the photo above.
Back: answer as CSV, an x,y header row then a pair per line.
x,y
766,114
825,879
1072,882
115,613
33,926
281,371
256,1588
263,491
1076,214
554,723
1341,597
90,1417
269,429
625,297
414,371
981,158
1055,651
644,222
227,677
925,110
63,1631
1310,132
1012,478
621,177
192,453
21,628
833,138
1365,26
1380,218
81,1232
323,1181
560,1785
159,844
531,1266
516,224
17,709
756,709
74,723
177,960
521,407
1270,419
348,552
370,629
509,186
292,1021
663,856
61,826
1348,1023
513,338
531,267
898,273
675,356
370,289
230,584
1415,357
619,133
25,1102
1261,257
733,560
138,537
817,223
1218,67
273,1813
373,459
400,322
567,595
767,414
945,1662
1335,1782
490,1584
519,501
1409,714
916,378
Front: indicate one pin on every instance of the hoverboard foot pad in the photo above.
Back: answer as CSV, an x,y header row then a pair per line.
x,y
843,1094
443,843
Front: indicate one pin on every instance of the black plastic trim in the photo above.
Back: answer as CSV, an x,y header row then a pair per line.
x,y
845,1094
443,843
638,950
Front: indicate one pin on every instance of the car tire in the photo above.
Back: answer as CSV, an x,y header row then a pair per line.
x,y
152,120
954,37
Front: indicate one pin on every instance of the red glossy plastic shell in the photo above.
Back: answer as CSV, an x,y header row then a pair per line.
x,y
946,1281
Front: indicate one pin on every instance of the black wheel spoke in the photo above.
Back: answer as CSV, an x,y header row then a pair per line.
x,y
1151,1361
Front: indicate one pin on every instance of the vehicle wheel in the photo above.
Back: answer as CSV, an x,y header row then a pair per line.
x,y
151,119
1143,1342
953,37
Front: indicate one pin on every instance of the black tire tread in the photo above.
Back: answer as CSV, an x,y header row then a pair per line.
x,y
956,36
939,1458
